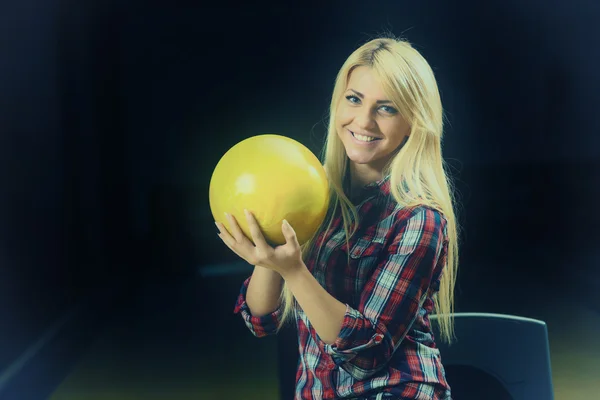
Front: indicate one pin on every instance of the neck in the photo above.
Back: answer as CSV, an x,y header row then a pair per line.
x,y
361,175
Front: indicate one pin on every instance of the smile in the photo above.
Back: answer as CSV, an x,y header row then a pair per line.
x,y
363,140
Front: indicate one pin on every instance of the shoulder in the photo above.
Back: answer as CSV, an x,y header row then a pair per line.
x,y
419,212
419,217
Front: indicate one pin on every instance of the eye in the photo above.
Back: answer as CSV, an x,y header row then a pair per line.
x,y
389,110
353,99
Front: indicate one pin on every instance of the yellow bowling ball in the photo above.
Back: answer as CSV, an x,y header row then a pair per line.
x,y
275,178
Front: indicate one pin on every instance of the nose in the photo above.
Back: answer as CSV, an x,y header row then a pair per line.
x,y
364,119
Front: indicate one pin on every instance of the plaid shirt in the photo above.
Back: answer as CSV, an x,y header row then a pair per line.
x,y
386,348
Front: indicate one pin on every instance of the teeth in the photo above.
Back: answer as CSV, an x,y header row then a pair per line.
x,y
363,138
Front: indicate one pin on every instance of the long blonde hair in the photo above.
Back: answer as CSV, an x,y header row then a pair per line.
x,y
409,82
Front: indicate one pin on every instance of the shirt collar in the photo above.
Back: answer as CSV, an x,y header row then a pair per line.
x,y
381,186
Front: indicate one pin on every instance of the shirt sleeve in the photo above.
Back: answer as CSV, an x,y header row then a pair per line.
x,y
391,299
259,326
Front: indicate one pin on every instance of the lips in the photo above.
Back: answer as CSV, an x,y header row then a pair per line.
x,y
362,134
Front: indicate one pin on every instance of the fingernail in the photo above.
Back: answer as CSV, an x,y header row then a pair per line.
x,y
226,215
246,212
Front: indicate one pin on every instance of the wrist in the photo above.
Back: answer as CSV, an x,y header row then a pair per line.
x,y
267,271
295,272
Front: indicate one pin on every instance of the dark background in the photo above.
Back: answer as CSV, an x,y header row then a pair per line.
x,y
113,115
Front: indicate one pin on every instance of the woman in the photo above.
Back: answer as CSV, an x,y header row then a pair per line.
x,y
362,289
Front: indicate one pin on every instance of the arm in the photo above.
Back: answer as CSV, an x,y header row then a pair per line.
x,y
263,292
324,311
363,340
258,302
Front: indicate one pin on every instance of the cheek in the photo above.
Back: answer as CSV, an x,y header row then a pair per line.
x,y
344,116
396,131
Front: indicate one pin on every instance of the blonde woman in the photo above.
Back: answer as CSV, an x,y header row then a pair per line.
x,y
385,258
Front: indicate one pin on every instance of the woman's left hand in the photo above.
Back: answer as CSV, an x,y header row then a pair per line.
x,y
282,259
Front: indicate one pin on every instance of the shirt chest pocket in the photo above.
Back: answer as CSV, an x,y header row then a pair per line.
x,y
365,255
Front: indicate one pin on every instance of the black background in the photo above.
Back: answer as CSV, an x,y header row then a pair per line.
x,y
113,115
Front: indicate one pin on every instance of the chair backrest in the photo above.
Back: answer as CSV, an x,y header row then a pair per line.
x,y
514,350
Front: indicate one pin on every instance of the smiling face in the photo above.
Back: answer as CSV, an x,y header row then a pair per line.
x,y
365,110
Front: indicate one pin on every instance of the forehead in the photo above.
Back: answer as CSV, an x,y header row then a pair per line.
x,y
364,80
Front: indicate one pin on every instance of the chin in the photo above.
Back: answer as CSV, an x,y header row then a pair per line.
x,y
361,160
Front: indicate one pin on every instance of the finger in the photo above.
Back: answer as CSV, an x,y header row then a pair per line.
x,y
236,231
224,233
229,240
232,246
257,235
289,233
243,248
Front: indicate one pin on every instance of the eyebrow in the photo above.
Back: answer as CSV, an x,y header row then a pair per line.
x,y
362,96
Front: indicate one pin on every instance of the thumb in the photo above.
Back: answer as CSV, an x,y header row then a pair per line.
x,y
288,232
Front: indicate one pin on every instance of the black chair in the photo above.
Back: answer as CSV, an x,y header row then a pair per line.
x,y
497,356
